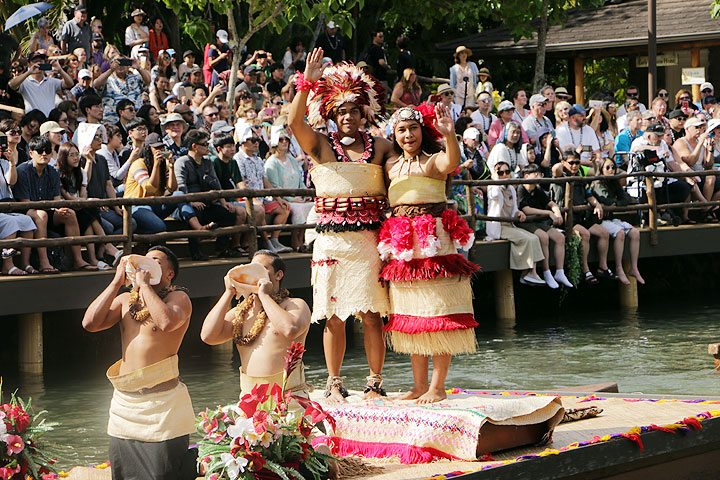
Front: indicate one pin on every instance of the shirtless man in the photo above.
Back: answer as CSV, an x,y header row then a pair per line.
x,y
288,321
335,298
153,320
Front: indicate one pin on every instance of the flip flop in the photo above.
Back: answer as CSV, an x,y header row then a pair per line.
x,y
605,274
87,268
590,279
49,270
15,272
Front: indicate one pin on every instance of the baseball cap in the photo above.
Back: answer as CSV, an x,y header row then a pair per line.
x,y
220,126
171,97
694,122
713,124
182,108
222,35
196,69
471,133
43,22
170,51
655,128
575,109
50,127
362,64
172,117
506,105
37,54
647,114
84,73
537,98
707,85
188,52
331,24
80,8
136,12
677,113
250,69
154,140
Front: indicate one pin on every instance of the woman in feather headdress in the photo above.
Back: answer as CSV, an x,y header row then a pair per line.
x,y
351,199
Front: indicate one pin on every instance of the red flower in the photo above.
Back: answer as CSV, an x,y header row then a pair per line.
x,y
429,119
239,443
256,462
249,402
260,421
305,449
293,357
6,473
316,412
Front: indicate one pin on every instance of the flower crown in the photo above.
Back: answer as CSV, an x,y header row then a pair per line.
x,y
424,114
343,83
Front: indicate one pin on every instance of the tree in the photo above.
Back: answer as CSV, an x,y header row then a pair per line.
x,y
258,14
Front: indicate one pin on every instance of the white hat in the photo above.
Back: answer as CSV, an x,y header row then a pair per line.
x,y
707,85
222,35
331,24
713,124
84,73
221,126
694,121
276,133
537,98
471,133
243,131
172,117
506,105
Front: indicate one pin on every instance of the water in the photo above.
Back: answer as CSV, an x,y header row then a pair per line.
x,y
659,351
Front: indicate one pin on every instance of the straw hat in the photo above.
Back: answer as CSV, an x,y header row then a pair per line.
x,y
484,71
462,48
139,262
445,87
245,278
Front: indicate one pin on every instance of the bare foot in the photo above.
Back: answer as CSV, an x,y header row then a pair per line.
x,y
622,278
432,396
413,394
637,276
335,397
371,395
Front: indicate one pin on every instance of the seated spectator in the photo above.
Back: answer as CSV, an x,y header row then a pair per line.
x,y
90,107
473,153
532,200
580,137
81,57
151,175
483,117
537,120
283,171
55,134
137,134
84,85
252,169
195,173
277,79
586,223
175,126
632,93
110,152
97,53
407,90
677,120
695,149
41,39
506,109
626,137
29,127
69,108
631,105
151,118
609,192
74,181
164,67
136,33
13,153
38,181
547,152
599,121
228,175
507,148
250,85
525,249
118,83
126,112
447,96
184,69
37,87
160,92
186,89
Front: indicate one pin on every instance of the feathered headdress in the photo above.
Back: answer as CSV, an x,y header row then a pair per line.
x,y
344,83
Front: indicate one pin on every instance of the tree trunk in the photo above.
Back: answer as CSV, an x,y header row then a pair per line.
x,y
237,49
539,80
316,33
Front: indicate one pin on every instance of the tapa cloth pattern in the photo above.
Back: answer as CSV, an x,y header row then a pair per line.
x,y
424,433
149,417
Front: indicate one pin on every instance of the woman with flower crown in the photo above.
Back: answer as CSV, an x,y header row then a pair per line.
x,y
431,311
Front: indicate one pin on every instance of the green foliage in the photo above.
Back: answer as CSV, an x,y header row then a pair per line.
x,y
607,73
573,265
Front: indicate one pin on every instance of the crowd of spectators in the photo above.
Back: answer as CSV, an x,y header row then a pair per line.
x,y
142,120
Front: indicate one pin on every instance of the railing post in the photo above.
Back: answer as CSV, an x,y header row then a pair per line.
x,y
652,213
250,208
471,206
569,216
127,229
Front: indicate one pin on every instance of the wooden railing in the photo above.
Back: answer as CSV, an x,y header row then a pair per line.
x,y
128,238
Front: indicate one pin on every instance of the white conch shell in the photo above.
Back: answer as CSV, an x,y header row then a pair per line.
x,y
245,278
139,262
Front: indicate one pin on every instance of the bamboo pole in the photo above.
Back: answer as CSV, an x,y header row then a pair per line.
x,y
504,295
127,229
653,216
628,293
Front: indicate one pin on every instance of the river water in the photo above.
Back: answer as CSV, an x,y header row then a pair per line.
x,y
661,350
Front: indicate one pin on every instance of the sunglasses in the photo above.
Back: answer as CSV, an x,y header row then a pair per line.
x,y
684,98
707,90
485,100
253,140
129,108
610,167
502,172
277,103
573,162
662,94
632,94
284,139
321,129
96,137
681,119
447,94
14,131
44,151
213,114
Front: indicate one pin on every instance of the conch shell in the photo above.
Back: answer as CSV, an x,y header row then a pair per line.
x,y
245,278
139,262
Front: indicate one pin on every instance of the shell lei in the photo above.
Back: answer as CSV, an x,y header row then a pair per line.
x,y
240,313
141,315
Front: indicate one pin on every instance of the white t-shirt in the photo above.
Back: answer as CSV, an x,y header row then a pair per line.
x,y
585,136
480,119
40,95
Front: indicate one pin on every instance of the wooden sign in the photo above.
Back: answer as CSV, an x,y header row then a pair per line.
x,y
662,60
693,76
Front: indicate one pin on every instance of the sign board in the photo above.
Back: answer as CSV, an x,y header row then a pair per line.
x,y
693,76
662,60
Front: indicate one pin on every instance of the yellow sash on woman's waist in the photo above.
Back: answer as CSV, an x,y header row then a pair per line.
x,y
413,190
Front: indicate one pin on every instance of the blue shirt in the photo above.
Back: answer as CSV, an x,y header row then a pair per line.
x,y
34,187
624,140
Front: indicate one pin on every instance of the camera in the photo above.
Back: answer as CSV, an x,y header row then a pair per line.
x,y
466,78
647,157
125,62
45,67
262,55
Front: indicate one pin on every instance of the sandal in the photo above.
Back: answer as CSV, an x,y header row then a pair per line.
x,y
49,270
87,268
605,274
336,382
15,272
374,384
590,279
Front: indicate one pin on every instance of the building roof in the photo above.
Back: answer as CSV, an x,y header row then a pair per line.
x,y
617,24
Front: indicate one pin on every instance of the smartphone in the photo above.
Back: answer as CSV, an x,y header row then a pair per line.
x,y
435,98
3,142
45,67
685,104
596,103
125,62
262,55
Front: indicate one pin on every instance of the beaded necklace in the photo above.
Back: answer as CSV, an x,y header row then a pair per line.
x,y
241,312
368,143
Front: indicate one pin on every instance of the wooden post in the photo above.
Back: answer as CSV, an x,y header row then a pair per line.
x,y
250,208
628,293
652,213
579,65
695,62
504,295
652,51
569,216
714,350
30,358
471,206
127,229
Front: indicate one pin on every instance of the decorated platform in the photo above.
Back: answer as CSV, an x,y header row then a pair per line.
x,y
663,436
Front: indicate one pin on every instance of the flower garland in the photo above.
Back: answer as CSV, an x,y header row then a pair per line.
x,y
241,311
140,315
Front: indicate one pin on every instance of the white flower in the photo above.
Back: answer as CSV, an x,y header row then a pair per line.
x,y
234,466
3,430
242,427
